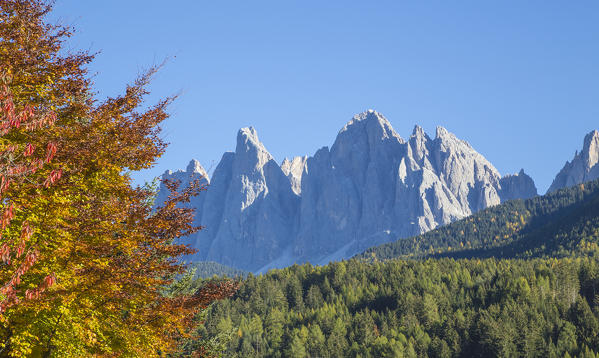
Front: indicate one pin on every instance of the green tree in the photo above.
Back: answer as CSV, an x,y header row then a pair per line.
x,y
297,347
316,342
274,329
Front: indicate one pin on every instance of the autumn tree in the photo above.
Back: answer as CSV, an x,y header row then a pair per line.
x,y
109,252
18,251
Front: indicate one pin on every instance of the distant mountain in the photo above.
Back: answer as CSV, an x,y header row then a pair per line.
x,y
564,223
584,167
371,187
194,171
250,209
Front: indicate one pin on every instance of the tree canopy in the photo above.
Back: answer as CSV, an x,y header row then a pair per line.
x,y
103,255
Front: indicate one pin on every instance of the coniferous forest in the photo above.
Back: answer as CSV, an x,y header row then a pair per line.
x,y
409,308
518,279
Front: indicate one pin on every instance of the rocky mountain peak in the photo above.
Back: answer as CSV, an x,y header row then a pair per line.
x,y
418,131
194,166
445,136
591,140
584,167
418,144
371,122
247,139
591,148
249,148
442,132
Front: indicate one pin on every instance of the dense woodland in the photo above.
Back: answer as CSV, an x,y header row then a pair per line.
x,y
412,297
409,308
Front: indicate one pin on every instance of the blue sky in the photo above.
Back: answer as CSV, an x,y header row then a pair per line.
x,y
519,80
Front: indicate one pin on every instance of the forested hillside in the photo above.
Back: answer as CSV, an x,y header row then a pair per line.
x,y
410,308
561,224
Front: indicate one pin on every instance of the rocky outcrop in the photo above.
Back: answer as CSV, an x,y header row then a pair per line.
x,y
584,167
294,169
370,187
517,186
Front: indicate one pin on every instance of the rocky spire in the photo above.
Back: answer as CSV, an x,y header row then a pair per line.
x,y
194,166
249,209
583,167
251,149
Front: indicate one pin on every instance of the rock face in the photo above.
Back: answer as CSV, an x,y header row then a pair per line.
x,y
584,167
517,186
371,187
249,211
294,169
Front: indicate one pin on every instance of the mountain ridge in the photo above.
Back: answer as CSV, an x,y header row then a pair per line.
x,y
370,187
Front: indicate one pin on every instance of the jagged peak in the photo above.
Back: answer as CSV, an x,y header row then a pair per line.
x,y
247,140
419,135
418,147
583,167
294,161
418,131
442,132
194,166
446,136
591,141
250,153
369,115
521,173
366,120
248,133
287,165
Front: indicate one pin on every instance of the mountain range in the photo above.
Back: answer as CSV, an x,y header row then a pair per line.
x,y
369,188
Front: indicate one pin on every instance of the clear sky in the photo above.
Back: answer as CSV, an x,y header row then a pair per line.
x,y
519,80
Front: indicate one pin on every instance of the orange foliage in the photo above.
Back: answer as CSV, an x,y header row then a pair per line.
x,y
17,253
102,253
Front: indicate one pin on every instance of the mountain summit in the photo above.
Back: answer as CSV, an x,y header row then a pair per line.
x,y
371,187
584,167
